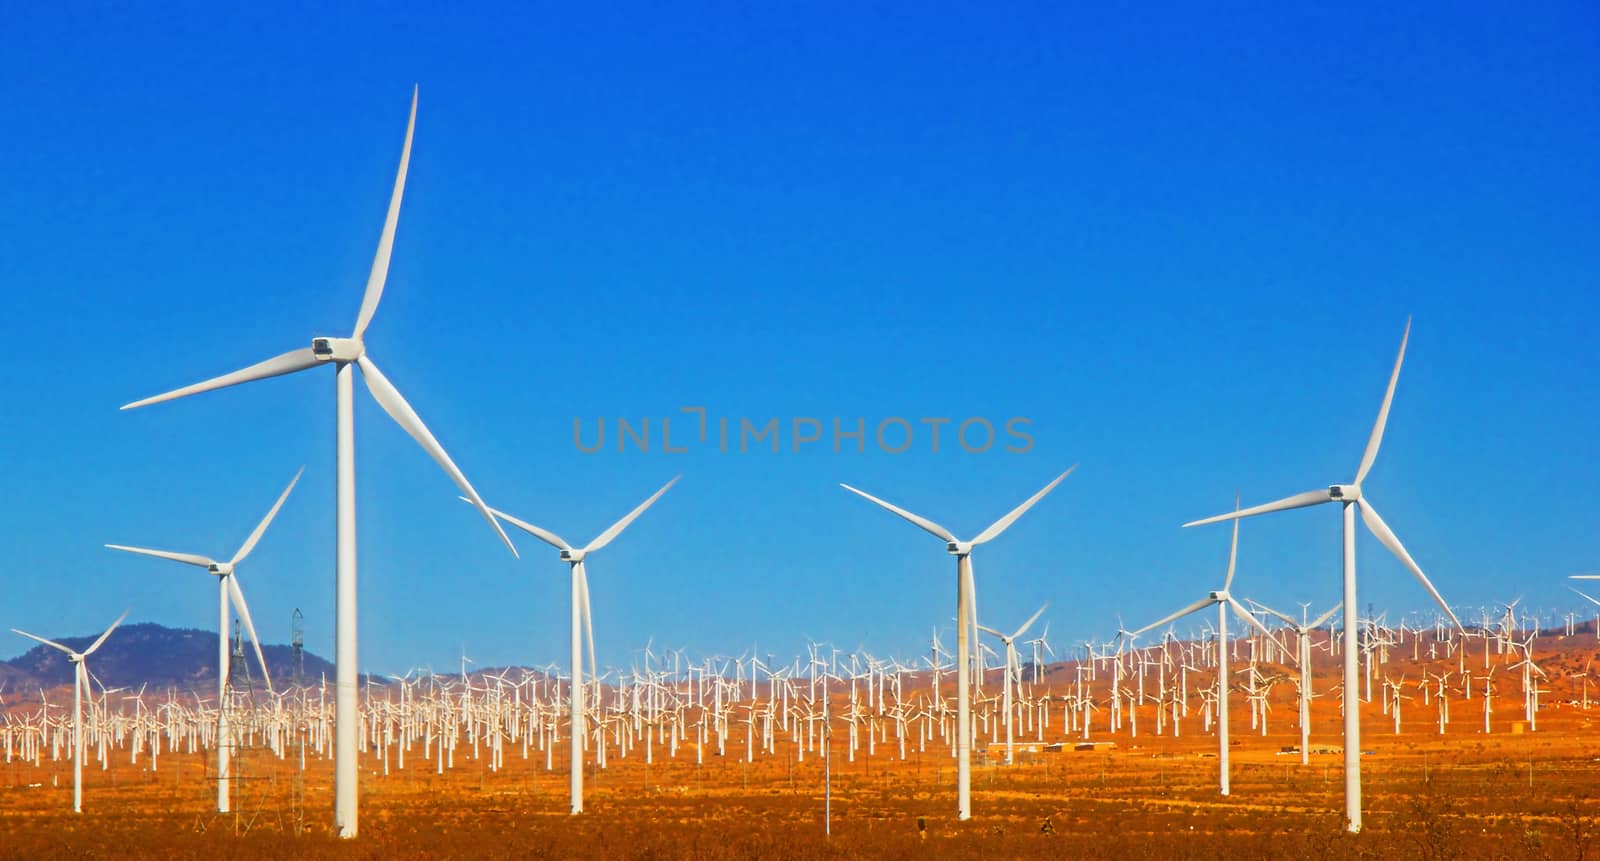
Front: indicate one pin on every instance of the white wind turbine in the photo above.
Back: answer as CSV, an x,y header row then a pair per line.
x,y
1224,601
1302,630
1350,497
80,683
227,590
1013,671
1041,647
966,621
343,354
580,614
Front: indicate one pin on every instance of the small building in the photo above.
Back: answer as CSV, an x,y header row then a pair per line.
x,y
997,750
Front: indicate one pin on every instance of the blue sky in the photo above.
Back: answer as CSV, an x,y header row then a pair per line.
x,y
1182,242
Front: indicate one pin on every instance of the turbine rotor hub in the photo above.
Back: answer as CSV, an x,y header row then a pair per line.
x,y
959,548
572,555
1345,492
337,349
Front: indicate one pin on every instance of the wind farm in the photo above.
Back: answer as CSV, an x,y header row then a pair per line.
x,y
682,745
1052,288
663,730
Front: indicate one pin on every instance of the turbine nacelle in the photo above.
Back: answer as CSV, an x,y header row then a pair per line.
x,y
1344,492
573,556
1219,597
337,349
221,569
959,548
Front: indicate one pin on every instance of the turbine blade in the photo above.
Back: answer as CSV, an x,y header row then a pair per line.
x,y
588,620
1387,536
1584,594
1198,605
616,528
1326,616
96,644
1239,610
380,262
923,522
1233,546
1031,619
1371,454
1299,500
1003,523
972,602
544,535
187,558
288,363
389,398
250,543
237,595
988,630
1265,609
38,639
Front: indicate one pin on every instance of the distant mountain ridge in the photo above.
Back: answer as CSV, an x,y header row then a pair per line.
x,y
146,653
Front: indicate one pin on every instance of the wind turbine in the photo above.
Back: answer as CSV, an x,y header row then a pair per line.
x,y
1041,647
966,622
580,612
1224,601
1591,600
1012,666
80,682
227,589
1350,496
342,354
1302,630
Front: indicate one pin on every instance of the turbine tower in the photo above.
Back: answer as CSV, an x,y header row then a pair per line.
x,y
342,354
1350,497
966,622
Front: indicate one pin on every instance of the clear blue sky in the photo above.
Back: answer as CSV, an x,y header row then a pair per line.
x,y
1183,243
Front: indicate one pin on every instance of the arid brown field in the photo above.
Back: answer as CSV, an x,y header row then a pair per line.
x,y
1463,794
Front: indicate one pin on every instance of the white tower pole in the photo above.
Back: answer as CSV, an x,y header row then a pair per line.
x,y
1011,654
1305,697
222,694
77,737
963,692
578,723
344,626
1352,705
1222,694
